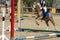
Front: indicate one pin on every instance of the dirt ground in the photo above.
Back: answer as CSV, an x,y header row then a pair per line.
x,y
30,23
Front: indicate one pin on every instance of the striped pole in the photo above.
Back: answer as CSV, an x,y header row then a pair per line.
x,y
12,19
3,24
45,35
39,36
3,21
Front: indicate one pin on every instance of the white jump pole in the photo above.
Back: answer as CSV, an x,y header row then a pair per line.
x,y
3,24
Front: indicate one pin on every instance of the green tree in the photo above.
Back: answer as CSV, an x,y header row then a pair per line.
x,y
50,2
29,2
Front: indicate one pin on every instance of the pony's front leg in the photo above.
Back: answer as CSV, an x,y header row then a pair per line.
x,y
37,23
37,19
39,15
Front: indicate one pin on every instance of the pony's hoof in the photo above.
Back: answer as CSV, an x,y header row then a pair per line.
x,y
38,24
47,29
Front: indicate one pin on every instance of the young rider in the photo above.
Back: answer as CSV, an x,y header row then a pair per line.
x,y
43,8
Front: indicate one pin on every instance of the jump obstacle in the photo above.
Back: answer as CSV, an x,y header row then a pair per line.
x,y
39,36
8,10
12,22
36,30
57,33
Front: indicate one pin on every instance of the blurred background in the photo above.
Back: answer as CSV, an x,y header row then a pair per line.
x,y
28,14
29,3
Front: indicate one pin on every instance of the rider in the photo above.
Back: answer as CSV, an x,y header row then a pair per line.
x,y
39,12
43,8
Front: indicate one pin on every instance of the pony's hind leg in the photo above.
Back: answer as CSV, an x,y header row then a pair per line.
x,y
53,22
47,24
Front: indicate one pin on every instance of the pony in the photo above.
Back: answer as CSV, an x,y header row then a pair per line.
x,y
50,13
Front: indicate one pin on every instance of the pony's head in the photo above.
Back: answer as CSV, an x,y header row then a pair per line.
x,y
53,10
36,6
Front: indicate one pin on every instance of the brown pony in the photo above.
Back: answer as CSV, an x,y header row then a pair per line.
x,y
51,19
